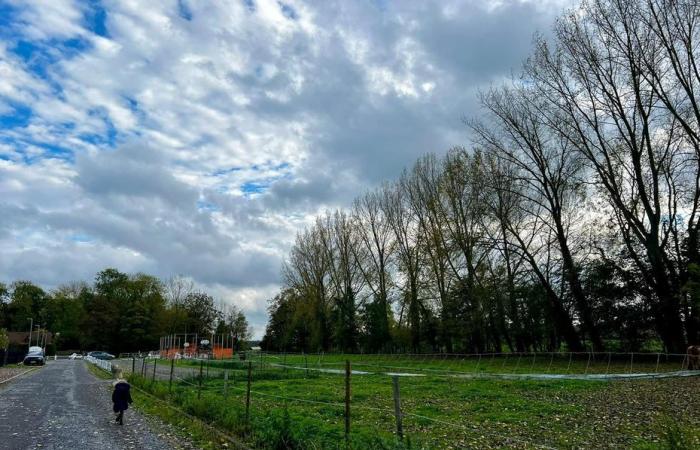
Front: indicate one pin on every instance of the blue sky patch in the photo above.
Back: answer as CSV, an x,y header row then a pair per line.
x,y
254,187
183,10
96,18
19,117
288,11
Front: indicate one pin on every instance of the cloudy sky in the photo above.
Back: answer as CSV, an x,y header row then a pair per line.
x,y
197,137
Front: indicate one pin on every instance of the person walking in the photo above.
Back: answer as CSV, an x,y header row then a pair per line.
x,y
121,397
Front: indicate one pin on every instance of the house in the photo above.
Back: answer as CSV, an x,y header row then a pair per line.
x,y
21,338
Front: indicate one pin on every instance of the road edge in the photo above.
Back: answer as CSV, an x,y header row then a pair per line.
x,y
3,382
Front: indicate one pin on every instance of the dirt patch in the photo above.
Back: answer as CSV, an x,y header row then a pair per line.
x,y
8,372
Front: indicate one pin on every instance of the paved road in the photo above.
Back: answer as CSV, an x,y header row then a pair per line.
x,y
64,406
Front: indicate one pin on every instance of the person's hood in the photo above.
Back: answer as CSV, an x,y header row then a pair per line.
x,y
116,382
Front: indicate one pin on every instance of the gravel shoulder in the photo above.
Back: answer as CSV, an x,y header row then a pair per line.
x,y
9,372
63,406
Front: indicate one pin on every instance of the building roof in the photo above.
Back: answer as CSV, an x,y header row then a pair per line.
x,y
22,337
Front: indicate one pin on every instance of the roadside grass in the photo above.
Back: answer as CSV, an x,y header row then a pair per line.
x,y
188,427
99,373
291,408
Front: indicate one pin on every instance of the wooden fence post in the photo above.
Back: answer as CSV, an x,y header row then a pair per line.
x,y
225,383
588,364
347,401
631,361
172,370
247,394
397,407
306,362
201,369
658,359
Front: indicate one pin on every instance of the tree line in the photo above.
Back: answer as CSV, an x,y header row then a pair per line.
x,y
119,312
571,221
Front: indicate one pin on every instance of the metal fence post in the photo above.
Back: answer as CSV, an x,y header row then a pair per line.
x,y
133,364
397,407
247,394
201,368
172,369
155,363
347,401
143,367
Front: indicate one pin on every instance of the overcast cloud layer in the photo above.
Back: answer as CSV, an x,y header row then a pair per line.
x,y
196,138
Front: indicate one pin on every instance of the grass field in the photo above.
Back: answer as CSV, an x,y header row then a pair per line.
x,y
292,407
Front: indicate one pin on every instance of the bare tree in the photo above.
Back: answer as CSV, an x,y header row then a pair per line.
x,y
550,170
375,252
405,227
341,244
422,188
307,272
621,82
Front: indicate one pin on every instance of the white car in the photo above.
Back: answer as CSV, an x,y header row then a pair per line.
x,y
75,356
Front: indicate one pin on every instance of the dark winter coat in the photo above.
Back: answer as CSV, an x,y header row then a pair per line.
x,y
121,397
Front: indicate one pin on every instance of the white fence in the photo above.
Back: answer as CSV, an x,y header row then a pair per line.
x,y
101,363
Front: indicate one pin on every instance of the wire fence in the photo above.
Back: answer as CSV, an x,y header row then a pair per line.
x,y
371,386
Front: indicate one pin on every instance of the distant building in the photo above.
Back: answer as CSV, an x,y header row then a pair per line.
x,y
22,337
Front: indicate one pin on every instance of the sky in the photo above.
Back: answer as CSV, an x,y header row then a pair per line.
x,y
196,138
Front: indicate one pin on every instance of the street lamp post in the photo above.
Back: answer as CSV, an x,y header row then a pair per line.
x,y
31,327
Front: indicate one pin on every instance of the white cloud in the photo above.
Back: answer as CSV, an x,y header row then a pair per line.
x,y
199,145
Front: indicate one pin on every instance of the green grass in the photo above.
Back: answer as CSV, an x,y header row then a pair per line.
x,y
291,408
99,373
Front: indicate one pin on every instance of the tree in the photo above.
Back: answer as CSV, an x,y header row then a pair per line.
x,y
27,301
233,323
201,314
620,82
375,251
405,228
307,273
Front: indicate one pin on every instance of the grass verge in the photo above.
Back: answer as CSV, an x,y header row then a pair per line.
x,y
294,409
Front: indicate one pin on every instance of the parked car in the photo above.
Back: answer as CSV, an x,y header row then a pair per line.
x,y
101,355
34,356
75,356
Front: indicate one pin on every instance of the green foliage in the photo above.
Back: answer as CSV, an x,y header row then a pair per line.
x,y
118,313
4,340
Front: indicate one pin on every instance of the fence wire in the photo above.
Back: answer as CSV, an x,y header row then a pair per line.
x,y
189,374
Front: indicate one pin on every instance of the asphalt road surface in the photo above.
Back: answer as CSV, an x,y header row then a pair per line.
x,y
63,406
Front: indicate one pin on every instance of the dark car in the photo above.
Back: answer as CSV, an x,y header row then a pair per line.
x,y
101,355
33,358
